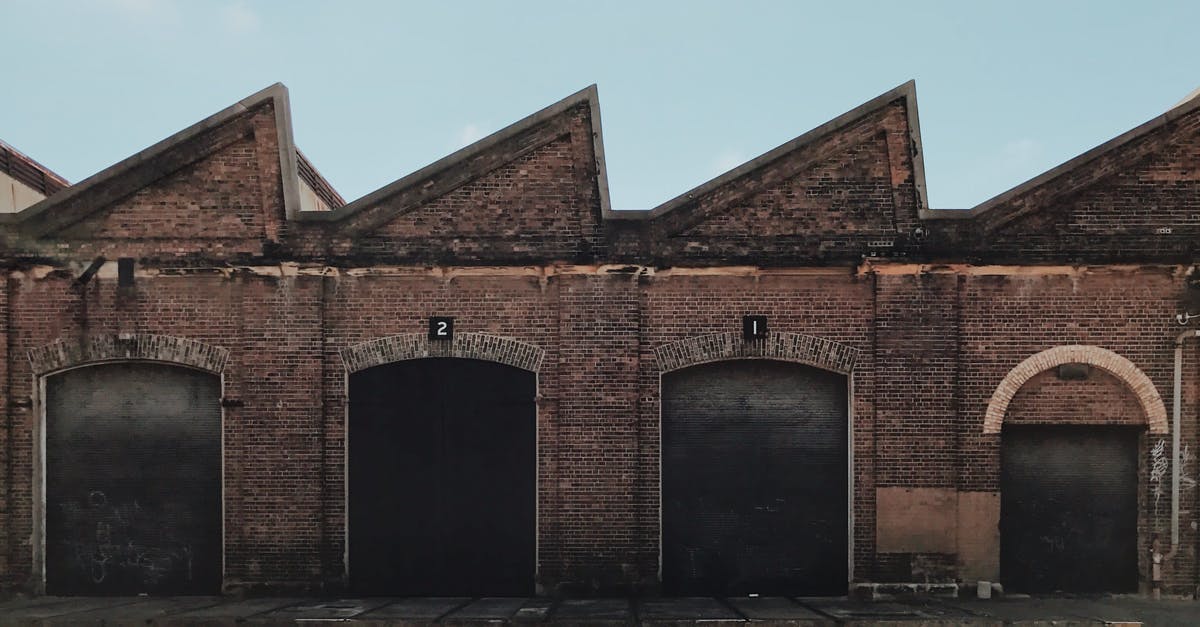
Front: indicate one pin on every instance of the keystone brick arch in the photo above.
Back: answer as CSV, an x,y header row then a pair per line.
x,y
464,345
145,347
1102,358
796,347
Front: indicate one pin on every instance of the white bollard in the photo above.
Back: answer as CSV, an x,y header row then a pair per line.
x,y
983,590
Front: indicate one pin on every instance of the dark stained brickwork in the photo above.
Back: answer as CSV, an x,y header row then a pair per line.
x,y
926,314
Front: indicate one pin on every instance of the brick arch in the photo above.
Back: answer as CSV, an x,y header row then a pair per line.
x,y
1102,358
62,354
795,347
495,348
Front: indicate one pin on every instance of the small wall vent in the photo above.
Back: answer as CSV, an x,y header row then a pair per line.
x,y
1074,372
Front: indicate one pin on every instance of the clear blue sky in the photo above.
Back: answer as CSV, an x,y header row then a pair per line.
x,y
688,89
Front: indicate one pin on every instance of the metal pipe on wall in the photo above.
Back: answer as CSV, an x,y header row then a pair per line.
x,y
1176,428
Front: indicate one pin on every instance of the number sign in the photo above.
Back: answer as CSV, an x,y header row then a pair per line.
x,y
441,328
754,327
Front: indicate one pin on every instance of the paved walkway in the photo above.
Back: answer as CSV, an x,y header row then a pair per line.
x,y
660,611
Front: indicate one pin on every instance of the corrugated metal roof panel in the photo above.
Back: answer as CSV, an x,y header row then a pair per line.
x,y
29,172
310,175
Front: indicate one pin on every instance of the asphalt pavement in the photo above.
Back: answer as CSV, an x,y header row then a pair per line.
x,y
220,611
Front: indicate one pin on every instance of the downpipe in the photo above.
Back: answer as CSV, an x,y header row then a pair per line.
x,y
1176,437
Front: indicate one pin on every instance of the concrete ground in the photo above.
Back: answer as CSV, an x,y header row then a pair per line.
x,y
656,611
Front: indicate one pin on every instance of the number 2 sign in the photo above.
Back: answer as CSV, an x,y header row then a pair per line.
x,y
441,328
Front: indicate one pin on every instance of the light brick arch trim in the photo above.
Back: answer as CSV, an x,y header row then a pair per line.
x,y
1102,358
137,347
495,348
795,347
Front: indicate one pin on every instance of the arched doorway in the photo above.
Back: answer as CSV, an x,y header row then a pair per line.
x,y
442,456
1068,508
754,479
1071,421
133,480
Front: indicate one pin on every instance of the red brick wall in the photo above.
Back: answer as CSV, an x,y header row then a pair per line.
x,y
491,241
277,434
916,352
528,196
932,347
595,448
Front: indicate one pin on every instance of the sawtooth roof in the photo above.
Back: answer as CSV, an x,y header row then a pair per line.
x,y
132,173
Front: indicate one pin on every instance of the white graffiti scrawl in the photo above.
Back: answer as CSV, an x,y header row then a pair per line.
x,y
1158,469
1160,464
1187,456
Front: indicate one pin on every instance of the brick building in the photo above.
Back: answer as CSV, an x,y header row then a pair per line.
x,y
219,375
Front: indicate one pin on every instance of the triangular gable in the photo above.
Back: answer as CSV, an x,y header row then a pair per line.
x,y
538,190
513,169
877,143
87,200
1165,149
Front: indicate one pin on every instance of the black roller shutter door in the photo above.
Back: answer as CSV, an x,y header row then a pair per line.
x,y
133,481
754,479
442,463
1068,509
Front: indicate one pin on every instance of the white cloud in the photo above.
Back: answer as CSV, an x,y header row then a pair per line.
x,y
145,11
239,19
1021,153
469,134
727,161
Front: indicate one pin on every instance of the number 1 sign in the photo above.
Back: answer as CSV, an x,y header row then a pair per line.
x,y
754,327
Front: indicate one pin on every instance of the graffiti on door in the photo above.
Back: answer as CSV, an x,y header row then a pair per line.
x,y
122,540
